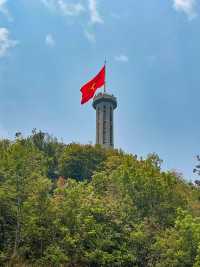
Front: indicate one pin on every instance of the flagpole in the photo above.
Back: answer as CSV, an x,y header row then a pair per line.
x,y
105,62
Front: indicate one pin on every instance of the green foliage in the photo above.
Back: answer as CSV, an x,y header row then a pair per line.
x,y
179,246
80,162
76,205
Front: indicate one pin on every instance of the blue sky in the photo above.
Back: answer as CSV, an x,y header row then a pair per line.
x,y
49,48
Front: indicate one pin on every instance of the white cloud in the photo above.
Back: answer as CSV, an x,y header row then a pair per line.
x,y
49,40
5,42
70,9
94,13
75,8
4,10
186,6
67,9
122,58
90,36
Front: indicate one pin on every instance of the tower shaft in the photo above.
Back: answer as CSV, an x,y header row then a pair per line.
x,y
105,105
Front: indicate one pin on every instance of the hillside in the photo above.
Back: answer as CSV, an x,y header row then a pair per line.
x,y
81,205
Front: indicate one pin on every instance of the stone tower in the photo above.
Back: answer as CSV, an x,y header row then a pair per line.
x,y
104,104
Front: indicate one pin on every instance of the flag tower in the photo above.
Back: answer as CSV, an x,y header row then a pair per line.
x,y
104,104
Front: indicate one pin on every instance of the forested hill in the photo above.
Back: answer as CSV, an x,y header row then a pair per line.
x,y
81,205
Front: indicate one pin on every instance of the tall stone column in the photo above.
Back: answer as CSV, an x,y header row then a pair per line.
x,y
104,104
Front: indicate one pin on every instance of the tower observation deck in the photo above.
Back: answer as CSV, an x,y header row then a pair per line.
x,y
104,104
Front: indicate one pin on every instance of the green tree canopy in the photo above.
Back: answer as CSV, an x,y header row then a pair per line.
x,y
82,205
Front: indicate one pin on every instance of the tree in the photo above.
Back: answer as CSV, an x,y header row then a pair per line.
x,y
50,147
80,162
179,246
197,167
82,205
19,163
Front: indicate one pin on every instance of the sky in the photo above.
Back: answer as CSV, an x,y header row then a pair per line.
x,y
50,48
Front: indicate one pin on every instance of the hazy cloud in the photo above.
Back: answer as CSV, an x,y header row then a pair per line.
x,y
94,13
66,8
122,58
48,3
90,36
4,9
186,6
49,40
70,9
75,8
5,42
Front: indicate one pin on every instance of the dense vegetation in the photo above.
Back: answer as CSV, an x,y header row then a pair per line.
x,y
81,205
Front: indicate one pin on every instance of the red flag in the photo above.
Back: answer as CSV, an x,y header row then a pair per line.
x,y
88,90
